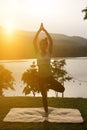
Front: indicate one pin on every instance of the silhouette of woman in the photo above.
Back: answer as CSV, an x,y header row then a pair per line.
x,y
46,80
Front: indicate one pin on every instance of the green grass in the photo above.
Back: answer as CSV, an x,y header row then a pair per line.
x,y
6,103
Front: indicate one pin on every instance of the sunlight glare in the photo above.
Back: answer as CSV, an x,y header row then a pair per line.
x,y
8,26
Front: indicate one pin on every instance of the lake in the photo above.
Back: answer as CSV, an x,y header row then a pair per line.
x,y
77,67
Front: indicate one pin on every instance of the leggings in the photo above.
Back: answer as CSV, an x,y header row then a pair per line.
x,y
49,83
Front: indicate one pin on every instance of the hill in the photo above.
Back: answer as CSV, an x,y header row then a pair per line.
x,y
18,45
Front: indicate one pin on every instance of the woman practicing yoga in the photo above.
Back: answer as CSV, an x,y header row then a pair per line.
x,y
46,80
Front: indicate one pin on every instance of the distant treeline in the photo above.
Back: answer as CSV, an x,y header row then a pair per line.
x,y
18,45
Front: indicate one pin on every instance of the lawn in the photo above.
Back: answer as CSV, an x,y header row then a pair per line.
x,y
6,103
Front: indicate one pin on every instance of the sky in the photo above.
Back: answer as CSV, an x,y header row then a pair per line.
x,y
58,16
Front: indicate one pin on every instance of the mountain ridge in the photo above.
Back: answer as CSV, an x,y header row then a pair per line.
x,y
20,45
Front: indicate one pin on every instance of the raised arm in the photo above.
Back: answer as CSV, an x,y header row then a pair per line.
x,y
50,41
35,40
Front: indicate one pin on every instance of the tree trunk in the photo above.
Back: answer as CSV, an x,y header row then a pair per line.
x,y
1,92
63,95
56,93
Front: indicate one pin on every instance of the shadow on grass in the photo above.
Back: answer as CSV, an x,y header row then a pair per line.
x,y
43,126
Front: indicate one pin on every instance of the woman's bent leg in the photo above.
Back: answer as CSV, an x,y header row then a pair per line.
x,y
55,85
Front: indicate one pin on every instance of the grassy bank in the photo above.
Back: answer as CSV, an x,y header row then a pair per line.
x,y
6,103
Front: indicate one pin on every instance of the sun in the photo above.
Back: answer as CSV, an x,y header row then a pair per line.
x,y
8,26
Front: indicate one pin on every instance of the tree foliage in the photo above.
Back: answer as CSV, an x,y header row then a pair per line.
x,y
30,76
85,11
6,79
59,71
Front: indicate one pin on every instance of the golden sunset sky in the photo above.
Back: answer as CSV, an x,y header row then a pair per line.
x,y
58,16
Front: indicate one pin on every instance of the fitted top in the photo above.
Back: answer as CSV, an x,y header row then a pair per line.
x,y
43,62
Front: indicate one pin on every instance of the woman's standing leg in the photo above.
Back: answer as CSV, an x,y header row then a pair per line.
x,y
44,98
43,89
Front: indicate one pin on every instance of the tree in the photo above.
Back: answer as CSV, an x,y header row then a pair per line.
x,y
6,79
29,77
60,73
85,10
